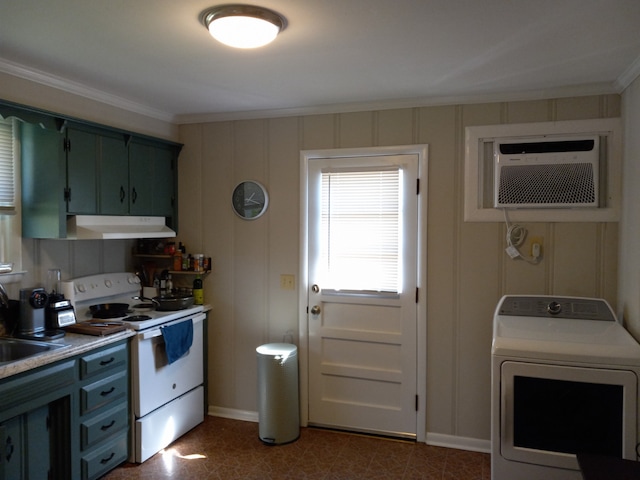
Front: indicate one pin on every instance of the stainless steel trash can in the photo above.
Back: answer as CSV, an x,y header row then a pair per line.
x,y
278,402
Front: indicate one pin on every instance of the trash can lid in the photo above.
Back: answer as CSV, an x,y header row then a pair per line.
x,y
277,349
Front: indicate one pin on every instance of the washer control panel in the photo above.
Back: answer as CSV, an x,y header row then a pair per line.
x,y
578,308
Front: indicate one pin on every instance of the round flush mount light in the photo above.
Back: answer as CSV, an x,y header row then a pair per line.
x,y
243,26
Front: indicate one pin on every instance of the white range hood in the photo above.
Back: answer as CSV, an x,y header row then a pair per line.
x,y
104,227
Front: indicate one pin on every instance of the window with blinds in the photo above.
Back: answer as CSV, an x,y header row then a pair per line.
x,y
7,168
361,230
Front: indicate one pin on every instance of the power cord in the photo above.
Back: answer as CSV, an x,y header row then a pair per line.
x,y
516,234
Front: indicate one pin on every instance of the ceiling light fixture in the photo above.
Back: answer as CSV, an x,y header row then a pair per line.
x,y
243,26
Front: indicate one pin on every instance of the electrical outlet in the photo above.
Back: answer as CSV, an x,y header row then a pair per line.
x,y
536,247
287,282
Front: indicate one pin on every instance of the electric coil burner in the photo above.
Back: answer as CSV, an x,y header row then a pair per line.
x,y
136,318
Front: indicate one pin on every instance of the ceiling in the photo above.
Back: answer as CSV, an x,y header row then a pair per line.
x,y
155,56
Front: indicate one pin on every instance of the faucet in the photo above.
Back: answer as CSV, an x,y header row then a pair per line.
x,y
4,298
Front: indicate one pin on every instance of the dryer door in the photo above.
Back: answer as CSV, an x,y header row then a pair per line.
x,y
549,413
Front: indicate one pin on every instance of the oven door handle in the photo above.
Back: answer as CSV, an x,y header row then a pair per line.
x,y
156,332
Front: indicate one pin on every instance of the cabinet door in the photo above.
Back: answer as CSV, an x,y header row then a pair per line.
x,y
11,449
141,173
81,150
38,441
43,182
114,176
164,182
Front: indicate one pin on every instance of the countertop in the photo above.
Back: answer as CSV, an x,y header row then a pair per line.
x,y
76,344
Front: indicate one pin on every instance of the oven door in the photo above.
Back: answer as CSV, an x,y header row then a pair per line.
x,y
549,413
155,381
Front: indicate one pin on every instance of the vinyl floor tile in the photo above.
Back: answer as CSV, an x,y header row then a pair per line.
x,y
224,449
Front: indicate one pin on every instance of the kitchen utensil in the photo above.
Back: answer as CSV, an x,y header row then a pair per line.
x,y
169,302
109,310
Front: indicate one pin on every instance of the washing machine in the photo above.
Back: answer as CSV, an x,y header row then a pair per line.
x,y
565,379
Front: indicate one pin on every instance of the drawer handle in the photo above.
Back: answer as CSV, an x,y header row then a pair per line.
x,y
107,392
107,362
104,428
107,460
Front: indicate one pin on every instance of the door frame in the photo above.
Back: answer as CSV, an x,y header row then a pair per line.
x,y
422,151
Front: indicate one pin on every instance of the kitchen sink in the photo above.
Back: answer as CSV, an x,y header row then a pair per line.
x,y
14,349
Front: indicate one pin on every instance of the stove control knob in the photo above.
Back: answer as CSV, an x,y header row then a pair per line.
x,y
554,308
108,284
133,280
81,287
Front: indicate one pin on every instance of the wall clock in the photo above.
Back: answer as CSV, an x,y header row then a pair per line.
x,y
250,200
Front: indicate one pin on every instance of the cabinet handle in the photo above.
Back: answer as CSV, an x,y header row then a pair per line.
x,y
107,392
104,428
107,362
134,195
9,448
122,194
107,460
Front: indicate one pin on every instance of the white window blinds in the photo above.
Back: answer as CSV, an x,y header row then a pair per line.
x,y
7,168
360,230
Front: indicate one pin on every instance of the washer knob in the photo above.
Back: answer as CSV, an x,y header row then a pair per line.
x,y
108,284
554,308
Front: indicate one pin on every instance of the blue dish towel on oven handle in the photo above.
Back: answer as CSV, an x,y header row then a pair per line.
x,y
177,339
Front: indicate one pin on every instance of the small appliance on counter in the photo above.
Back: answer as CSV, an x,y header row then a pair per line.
x,y
59,313
32,323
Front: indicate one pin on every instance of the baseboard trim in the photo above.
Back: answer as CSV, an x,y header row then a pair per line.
x,y
460,443
233,413
435,439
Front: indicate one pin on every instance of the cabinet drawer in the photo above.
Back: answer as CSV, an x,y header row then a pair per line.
x,y
103,360
104,425
104,458
102,392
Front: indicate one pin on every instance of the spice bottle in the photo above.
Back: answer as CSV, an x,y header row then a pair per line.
x,y
198,292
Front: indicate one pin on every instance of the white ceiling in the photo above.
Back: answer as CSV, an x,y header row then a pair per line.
x,y
155,55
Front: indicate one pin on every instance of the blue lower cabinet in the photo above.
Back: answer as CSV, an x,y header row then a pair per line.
x,y
66,420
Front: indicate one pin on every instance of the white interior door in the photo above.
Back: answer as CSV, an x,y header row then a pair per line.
x,y
362,253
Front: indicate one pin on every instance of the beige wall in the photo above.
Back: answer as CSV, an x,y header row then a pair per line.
x,y
629,305
467,269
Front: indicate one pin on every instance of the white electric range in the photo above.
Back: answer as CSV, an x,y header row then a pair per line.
x,y
167,398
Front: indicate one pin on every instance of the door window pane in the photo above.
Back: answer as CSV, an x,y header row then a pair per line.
x,y
360,230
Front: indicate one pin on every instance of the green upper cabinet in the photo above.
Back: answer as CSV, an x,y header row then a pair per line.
x,y
114,175
71,167
152,168
81,148
44,182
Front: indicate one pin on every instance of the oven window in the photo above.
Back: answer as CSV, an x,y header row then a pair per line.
x,y
568,417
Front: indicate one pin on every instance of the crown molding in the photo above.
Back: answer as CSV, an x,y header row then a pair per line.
x,y
76,88
603,88
629,75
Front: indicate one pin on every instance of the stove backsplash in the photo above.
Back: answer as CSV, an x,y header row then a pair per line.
x,y
74,258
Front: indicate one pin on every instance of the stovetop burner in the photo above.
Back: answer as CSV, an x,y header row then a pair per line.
x,y
136,318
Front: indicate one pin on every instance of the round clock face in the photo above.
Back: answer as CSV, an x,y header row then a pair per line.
x,y
250,200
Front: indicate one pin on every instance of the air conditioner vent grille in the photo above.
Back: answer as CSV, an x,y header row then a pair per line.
x,y
548,185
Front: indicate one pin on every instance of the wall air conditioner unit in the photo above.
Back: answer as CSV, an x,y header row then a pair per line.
x,y
547,172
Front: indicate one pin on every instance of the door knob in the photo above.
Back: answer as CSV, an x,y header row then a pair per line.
x,y
315,289
315,310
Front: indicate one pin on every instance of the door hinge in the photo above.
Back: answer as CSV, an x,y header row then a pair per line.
x,y
416,403
67,194
66,144
417,294
417,186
